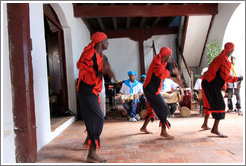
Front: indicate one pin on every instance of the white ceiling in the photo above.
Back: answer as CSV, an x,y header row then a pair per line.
x,y
195,38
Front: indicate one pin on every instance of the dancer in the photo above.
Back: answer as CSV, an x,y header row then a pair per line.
x,y
92,65
152,87
214,79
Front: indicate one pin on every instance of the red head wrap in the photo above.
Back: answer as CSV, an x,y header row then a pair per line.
x,y
165,51
229,46
95,38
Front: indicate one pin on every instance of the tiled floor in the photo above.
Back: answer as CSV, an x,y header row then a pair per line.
x,y
121,142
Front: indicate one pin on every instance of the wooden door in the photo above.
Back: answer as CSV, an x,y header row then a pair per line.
x,y
56,75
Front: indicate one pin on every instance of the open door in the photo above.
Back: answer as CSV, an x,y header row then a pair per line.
x,y
56,66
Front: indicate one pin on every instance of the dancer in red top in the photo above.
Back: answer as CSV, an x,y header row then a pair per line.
x,y
92,66
152,87
214,79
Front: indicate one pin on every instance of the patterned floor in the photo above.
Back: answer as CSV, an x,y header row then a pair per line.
x,y
122,142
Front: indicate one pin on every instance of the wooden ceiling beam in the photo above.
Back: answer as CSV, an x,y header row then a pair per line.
x,y
115,23
146,11
156,21
141,34
128,19
144,18
114,20
99,19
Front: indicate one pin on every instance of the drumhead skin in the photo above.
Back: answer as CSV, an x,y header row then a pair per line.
x,y
185,112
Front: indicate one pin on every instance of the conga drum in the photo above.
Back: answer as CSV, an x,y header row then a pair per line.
x,y
185,112
186,102
173,97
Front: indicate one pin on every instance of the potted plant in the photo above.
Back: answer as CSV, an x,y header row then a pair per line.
x,y
212,51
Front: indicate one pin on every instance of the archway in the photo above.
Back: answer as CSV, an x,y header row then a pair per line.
x,y
235,32
56,63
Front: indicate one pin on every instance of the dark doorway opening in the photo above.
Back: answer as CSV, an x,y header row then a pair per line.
x,y
56,65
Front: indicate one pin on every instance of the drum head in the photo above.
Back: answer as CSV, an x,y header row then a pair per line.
x,y
185,112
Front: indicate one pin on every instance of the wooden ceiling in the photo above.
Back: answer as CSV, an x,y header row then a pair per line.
x,y
138,21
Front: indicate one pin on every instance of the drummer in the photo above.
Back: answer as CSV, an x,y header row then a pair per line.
x,y
131,86
198,84
170,86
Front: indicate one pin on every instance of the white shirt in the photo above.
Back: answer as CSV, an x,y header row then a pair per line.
x,y
169,85
198,84
136,90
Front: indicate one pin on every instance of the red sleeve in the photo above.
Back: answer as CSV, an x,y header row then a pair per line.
x,y
161,71
86,71
225,72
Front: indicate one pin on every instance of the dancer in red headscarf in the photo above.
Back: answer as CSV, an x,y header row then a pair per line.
x,y
92,65
214,79
152,87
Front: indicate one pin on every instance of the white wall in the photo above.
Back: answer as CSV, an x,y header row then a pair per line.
x,y
76,37
235,32
7,124
123,54
217,31
160,41
194,40
40,79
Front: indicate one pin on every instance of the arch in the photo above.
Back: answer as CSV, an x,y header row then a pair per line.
x,y
68,56
235,32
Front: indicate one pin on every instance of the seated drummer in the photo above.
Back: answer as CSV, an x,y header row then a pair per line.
x,y
198,84
170,86
131,86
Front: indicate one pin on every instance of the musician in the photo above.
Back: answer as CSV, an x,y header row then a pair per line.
x,y
152,87
92,65
142,79
168,87
198,85
131,86
234,88
214,79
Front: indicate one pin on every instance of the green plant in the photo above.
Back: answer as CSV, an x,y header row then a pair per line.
x,y
212,50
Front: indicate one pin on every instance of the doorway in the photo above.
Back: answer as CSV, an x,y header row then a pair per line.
x,y
56,65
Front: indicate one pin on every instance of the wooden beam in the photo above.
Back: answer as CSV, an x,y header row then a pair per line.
x,y
128,21
156,21
114,20
141,34
143,19
115,23
21,72
99,19
146,11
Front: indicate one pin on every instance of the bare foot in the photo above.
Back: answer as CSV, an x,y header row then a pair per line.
x,y
219,134
95,159
146,131
167,136
205,127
